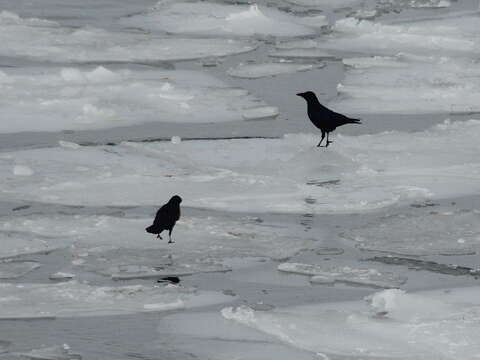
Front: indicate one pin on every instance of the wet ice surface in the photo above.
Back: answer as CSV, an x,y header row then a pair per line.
x,y
377,209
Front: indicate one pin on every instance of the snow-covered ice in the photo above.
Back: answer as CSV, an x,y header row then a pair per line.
x,y
392,324
71,299
98,97
49,41
215,19
269,175
323,274
255,71
442,233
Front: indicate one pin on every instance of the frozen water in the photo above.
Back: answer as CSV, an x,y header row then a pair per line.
x,y
17,242
321,274
49,41
61,276
59,352
442,233
395,325
75,98
15,269
325,4
71,299
214,19
255,71
302,53
262,174
409,84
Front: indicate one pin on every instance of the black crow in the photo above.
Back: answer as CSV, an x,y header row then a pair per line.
x,y
166,218
323,118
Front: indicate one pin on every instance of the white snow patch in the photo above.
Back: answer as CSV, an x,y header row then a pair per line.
x,y
255,71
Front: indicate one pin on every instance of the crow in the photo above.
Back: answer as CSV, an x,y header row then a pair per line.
x,y
324,119
166,218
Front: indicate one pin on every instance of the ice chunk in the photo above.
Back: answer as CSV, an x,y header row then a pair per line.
x,y
409,84
255,71
330,274
10,269
262,112
59,352
22,170
206,18
96,98
61,276
431,325
302,53
71,299
176,140
325,4
428,233
49,41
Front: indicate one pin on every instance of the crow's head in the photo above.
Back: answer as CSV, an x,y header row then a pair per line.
x,y
308,95
175,199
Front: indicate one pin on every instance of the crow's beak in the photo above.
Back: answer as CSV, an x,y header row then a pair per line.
x,y
300,94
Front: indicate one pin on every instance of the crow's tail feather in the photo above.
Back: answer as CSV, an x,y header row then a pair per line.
x,y
152,229
354,121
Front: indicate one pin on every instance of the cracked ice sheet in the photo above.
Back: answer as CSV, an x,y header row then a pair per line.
x,y
16,269
409,84
103,244
391,324
71,299
432,233
274,175
321,274
79,99
48,41
223,20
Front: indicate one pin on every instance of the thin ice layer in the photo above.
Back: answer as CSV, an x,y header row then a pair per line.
x,y
429,233
321,274
392,324
98,97
71,299
48,41
284,175
214,19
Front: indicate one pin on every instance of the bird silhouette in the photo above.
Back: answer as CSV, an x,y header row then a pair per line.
x,y
166,218
323,118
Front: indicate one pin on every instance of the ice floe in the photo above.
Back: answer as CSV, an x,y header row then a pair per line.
x,y
93,98
48,41
71,299
268,175
255,71
391,324
119,247
442,233
409,85
322,274
213,19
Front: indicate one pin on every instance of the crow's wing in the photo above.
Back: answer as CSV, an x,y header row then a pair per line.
x,y
163,216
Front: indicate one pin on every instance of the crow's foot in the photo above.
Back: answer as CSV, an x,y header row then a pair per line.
x,y
171,242
328,143
159,237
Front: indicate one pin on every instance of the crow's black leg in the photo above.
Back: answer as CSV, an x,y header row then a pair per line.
x,y
328,141
323,137
170,236
159,237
